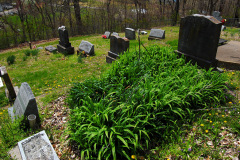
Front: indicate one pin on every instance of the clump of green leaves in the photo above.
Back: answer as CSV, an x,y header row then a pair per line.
x,y
11,59
35,52
173,44
27,52
138,100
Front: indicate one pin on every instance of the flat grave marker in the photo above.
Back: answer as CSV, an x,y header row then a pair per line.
x,y
50,48
156,34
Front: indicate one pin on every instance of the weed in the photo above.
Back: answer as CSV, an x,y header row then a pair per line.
x,y
11,59
35,52
27,52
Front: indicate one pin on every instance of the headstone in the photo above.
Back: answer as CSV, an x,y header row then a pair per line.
x,y
87,47
223,28
198,39
40,48
216,14
118,46
1,8
51,48
64,46
130,33
221,41
108,34
143,32
25,104
37,147
11,90
114,34
156,34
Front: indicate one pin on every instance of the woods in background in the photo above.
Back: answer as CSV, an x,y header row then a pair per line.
x,y
39,19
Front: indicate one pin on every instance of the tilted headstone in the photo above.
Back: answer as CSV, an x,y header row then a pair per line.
x,y
130,33
216,14
108,34
114,34
64,46
198,39
11,90
156,34
50,48
118,45
25,104
38,147
87,47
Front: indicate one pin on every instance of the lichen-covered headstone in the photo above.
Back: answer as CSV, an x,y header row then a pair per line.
x,y
87,47
198,39
156,34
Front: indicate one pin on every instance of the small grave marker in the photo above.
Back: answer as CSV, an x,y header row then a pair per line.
x,y
108,34
216,14
156,34
130,33
87,47
143,32
25,104
37,146
64,46
51,48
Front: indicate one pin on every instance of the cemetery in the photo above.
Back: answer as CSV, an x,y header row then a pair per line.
x,y
165,92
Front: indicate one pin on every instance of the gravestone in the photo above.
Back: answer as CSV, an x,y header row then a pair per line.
x,y
216,14
118,46
25,104
198,39
51,48
1,8
40,48
130,33
143,32
37,147
11,90
114,34
108,34
156,34
87,47
223,28
64,46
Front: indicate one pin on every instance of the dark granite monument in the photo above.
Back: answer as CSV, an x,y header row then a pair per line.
x,y
156,34
118,46
107,34
64,46
38,147
198,39
87,47
130,33
25,104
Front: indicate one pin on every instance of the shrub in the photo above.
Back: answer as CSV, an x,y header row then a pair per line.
x,y
24,58
138,100
11,59
27,52
35,52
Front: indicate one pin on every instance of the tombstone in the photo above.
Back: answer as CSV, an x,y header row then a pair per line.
x,y
198,39
11,90
87,47
118,46
51,48
114,34
156,34
37,146
39,48
108,34
223,28
216,14
1,8
25,104
64,46
143,32
130,33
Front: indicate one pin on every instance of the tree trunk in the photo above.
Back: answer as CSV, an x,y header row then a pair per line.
x,y
77,16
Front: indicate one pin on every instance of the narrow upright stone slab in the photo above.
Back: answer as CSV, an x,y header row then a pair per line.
x,y
198,39
87,47
108,34
25,104
156,34
130,33
114,43
36,147
64,46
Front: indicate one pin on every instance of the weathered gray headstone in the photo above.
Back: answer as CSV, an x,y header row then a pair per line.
x,y
64,46
108,34
198,39
87,47
130,33
156,34
37,147
25,104
114,34
50,48
216,14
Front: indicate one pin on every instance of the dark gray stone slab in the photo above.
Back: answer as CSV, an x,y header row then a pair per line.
x,y
51,48
63,35
113,55
114,34
110,59
123,45
64,50
114,43
25,104
198,39
222,41
87,47
37,147
156,34
130,33
108,34
216,14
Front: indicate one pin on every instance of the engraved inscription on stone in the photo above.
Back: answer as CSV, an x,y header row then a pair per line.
x,y
37,147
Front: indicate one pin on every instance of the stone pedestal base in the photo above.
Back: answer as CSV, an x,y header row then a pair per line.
x,y
66,51
113,55
154,38
110,59
200,62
